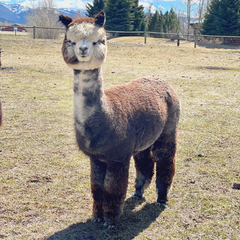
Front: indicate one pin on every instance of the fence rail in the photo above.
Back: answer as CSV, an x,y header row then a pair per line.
x,y
174,36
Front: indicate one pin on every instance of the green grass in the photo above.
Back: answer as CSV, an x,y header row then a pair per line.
x,y
13,36
44,179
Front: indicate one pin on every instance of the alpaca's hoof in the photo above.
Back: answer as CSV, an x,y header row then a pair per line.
x,y
137,196
162,205
96,220
106,225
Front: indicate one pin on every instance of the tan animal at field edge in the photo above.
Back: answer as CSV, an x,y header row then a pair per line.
x,y
1,114
137,119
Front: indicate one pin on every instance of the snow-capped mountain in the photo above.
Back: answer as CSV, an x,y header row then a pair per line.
x,y
13,13
71,12
16,8
16,13
6,14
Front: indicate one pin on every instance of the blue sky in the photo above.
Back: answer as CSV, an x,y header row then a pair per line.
x,y
163,5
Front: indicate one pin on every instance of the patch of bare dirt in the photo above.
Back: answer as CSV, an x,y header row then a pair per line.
x,y
39,179
8,70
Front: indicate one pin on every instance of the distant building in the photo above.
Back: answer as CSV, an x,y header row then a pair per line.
x,y
232,41
211,39
14,27
196,25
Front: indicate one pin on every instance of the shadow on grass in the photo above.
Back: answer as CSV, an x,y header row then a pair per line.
x,y
218,46
132,222
219,68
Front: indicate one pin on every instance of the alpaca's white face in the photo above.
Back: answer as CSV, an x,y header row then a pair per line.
x,y
84,46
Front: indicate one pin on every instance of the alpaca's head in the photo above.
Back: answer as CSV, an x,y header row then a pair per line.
x,y
84,46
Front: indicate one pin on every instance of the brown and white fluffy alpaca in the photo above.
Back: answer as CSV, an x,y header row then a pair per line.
x,y
137,119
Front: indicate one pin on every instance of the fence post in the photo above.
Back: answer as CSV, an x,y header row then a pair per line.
x,y
34,32
145,37
196,37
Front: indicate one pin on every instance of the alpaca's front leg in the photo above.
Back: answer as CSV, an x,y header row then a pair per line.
x,y
98,171
115,187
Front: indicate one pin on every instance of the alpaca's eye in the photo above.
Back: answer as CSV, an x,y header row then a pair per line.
x,y
69,41
102,42
99,41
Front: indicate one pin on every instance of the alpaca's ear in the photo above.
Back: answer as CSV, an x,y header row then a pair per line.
x,y
65,20
100,18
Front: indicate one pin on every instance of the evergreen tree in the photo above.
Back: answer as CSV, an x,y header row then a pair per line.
x,y
160,23
211,23
118,14
222,18
166,22
95,8
153,22
159,26
142,26
173,21
229,14
138,16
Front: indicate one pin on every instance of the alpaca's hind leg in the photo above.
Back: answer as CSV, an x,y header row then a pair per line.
x,y
115,187
164,152
144,169
98,171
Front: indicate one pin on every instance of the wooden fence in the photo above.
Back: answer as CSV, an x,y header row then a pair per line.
x,y
196,38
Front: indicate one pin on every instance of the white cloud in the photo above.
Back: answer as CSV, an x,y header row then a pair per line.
x,y
147,6
192,2
81,4
28,3
72,4
157,1
75,4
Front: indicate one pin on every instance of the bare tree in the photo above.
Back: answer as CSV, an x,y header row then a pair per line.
x,y
181,16
200,10
149,14
191,7
203,6
208,3
192,11
44,15
80,14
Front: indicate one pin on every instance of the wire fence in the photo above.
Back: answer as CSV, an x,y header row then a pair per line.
x,y
196,38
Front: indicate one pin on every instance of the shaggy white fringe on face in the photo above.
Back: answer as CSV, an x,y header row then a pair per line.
x,y
91,34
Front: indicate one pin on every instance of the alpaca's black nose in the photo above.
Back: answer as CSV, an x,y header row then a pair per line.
x,y
83,49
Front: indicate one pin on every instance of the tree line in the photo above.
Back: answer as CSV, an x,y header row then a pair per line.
x,y
167,22
127,15
122,15
222,18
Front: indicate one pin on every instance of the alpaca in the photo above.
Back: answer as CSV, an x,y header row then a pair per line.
x,y
137,119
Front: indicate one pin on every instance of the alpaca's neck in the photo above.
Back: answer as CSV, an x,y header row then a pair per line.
x,y
88,95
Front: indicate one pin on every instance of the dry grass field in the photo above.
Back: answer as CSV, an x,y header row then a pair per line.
x,y
44,179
